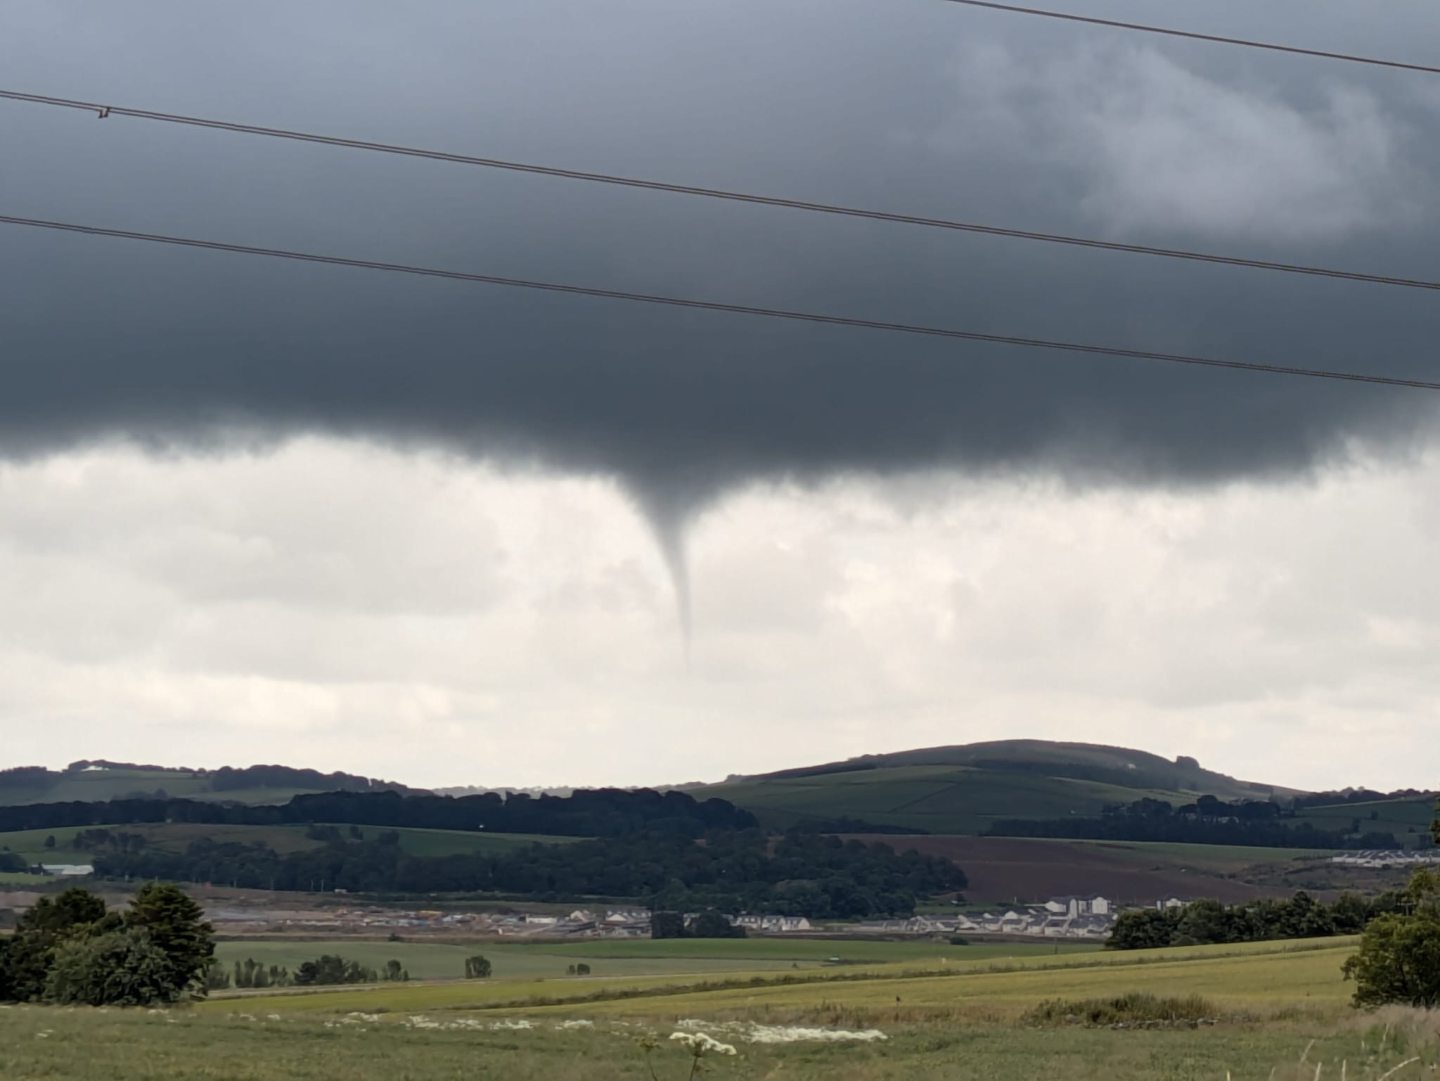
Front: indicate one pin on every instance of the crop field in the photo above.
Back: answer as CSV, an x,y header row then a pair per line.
x,y
1279,1012
1001,869
941,799
643,957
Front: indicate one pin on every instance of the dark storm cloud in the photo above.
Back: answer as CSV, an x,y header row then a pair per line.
x,y
919,107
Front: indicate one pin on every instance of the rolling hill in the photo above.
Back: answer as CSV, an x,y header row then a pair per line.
x,y
963,789
93,781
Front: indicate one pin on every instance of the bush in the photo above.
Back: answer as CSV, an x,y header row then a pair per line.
x,y
329,969
121,968
1134,1009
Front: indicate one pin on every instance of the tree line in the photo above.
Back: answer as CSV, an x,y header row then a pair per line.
x,y
601,812
728,870
1208,922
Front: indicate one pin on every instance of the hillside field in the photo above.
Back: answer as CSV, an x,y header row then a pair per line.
x,y
107,784
176,836
938,799
1405,818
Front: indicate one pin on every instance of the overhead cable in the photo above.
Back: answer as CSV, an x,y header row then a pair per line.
x,y
735,309
719,193
1195,36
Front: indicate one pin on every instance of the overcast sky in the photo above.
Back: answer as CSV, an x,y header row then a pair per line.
x,y
262,511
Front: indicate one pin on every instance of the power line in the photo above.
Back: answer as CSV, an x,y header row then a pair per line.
x,y
1194,36
719,306
720,193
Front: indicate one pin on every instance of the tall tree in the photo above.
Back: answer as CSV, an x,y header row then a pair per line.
x,y
177,926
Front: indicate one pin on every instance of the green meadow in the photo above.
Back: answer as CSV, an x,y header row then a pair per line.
x,y
641,957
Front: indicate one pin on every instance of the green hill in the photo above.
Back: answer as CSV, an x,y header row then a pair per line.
x,y
98,781
963,789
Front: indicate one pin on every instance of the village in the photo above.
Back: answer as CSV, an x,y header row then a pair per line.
x,y
1073,917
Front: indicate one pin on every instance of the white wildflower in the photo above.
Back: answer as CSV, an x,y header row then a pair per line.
x,y
701,1044
751,1032
796,1034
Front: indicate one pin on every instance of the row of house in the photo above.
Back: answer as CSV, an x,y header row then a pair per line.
x,y
1085,917
1381,858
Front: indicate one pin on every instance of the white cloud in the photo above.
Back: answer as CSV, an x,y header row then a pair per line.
x,y
452,623
1157,148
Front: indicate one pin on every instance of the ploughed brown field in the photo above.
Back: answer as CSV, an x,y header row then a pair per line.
x,y
1001,869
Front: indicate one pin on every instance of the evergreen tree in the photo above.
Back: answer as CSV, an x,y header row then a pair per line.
x,y
177,926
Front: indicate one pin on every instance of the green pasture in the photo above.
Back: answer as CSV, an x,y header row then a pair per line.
x,y
23,880
757,984
1222,859
427,842
636,957
1407,819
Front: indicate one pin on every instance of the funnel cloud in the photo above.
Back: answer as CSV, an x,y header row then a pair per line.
x,y
913,107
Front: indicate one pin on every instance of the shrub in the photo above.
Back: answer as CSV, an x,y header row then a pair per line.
x,y
1137,1009
121,968
1399,958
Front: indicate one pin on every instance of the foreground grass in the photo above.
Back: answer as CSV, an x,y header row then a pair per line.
x,y
1280,1012
69,1045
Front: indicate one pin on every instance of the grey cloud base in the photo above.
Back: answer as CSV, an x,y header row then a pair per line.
x,y
912,108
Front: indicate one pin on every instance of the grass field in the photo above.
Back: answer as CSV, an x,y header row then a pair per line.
x,y
1280,1012
1406,819
13,879
70,1045
642,957
946,980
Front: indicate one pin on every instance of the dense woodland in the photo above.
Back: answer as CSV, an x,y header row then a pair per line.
x,y
728,870
1206,821
601,812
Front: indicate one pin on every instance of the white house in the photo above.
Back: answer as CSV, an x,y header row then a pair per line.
x,y
1093,905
